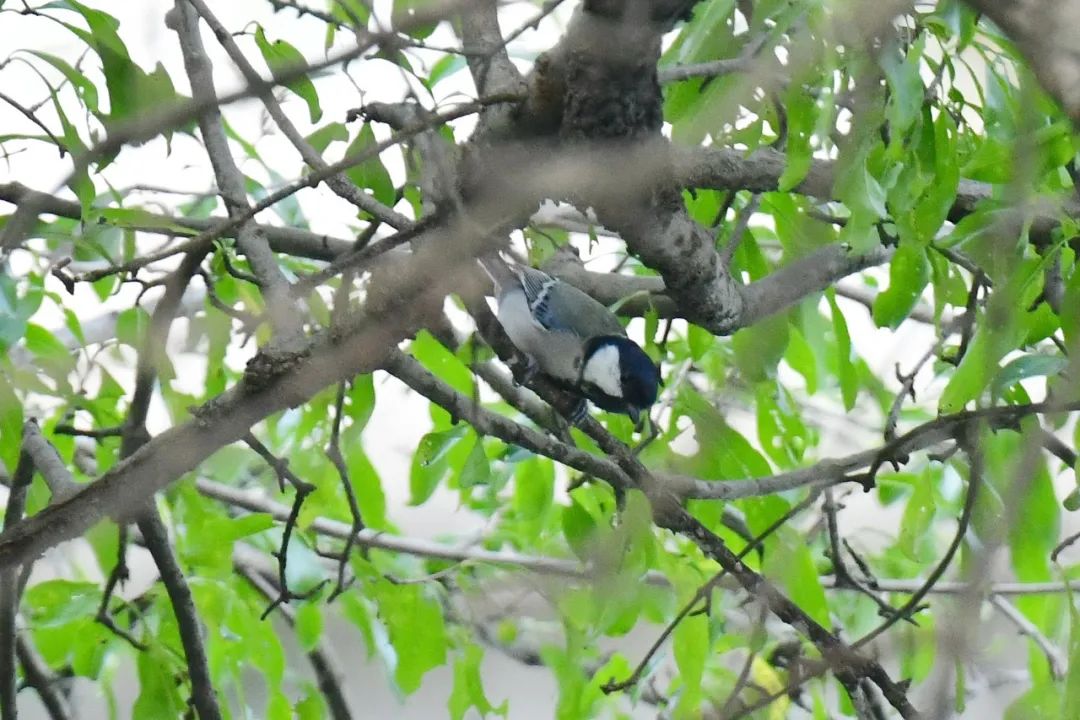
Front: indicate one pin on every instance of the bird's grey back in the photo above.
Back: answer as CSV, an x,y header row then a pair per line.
x,y
560,306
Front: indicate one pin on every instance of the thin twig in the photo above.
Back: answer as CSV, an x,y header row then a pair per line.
x,y
742,222
95,433
1057,662
907,388
333,451
327,671
301,489
842,577
975,479
29,114
36,675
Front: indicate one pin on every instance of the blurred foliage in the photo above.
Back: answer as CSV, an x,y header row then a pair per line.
x,y
936,103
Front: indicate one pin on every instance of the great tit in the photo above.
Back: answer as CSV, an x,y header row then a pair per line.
x,y
573,338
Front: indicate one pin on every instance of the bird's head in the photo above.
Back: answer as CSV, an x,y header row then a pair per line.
x,y
618,376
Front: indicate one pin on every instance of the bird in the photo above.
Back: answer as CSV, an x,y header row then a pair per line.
x,y
572,338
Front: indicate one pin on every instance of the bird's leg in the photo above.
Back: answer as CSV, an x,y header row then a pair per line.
x,y
525,370
654,432
578,412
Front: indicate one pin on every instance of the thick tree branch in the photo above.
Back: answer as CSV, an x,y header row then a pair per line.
x,y
48,464
760,171
803,277
274,381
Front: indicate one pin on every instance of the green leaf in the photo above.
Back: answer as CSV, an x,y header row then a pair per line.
x,y
329,133
445,67
85,87
159,693
370,174
845,369
905,85
131,326
442,363
909,273
417,631
802,115
579,526
477,469
59,602
534,488
50,352
800,356
468,689
309,625
918,516
367,485
311,706
121,73
1070,699
11,424
282,59
1024,367
429,465
700,341
760,347
138,218
690,645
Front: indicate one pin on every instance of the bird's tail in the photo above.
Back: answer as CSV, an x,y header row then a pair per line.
x,y
497,269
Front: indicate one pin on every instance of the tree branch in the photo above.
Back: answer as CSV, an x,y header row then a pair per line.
x,y
337,182
156,538
9,586
36,674
230,181
291,241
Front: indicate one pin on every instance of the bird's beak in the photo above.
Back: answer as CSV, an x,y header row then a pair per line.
x,y
635,415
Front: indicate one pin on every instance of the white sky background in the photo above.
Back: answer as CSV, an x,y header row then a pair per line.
x,y
400,418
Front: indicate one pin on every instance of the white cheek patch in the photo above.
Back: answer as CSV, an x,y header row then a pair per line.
x,y
602,370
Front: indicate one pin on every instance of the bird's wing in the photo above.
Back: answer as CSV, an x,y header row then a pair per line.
x,y
535,283
559,306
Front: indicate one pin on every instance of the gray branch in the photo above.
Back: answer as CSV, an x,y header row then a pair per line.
x,y
340,184
230,181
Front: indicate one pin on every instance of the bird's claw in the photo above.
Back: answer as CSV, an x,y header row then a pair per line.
x,y
578,412
528,373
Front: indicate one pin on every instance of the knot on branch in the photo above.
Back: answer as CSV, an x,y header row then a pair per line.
x,y
270,364
611,97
